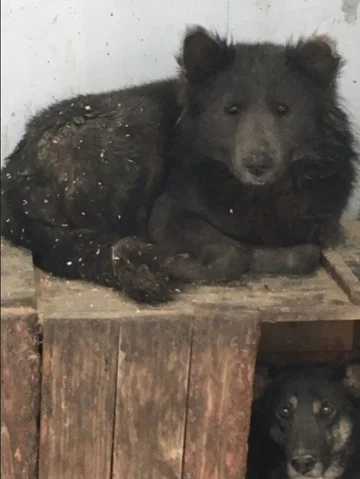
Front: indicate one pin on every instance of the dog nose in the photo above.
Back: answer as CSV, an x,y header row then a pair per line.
x,y
258,164
303,464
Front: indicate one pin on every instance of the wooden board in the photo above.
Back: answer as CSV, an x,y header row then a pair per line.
x,y
220,393
20,392
86,330
78,398
307,337
330,357
20,365
154,356
311,299
344,263
17,277
316,297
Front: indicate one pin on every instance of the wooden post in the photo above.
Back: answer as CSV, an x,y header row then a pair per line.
x,y
222,365
78,398
154,356
114,384
20,365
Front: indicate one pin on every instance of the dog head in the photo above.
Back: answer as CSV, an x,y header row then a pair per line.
x,y
255,107
307,411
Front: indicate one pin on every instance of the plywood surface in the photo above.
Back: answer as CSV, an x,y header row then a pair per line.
x,y
328,294
332,292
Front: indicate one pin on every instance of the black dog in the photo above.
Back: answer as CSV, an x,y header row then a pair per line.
x,y
243,163
306,425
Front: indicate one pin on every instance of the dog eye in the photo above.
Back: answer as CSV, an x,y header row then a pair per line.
x,y
282,109
232,109
327,409
284,412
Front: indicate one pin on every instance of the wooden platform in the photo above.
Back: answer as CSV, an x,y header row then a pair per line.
x,y
134,392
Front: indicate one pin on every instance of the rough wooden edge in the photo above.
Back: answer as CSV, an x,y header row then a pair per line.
x,y
342,274
20,392
17,277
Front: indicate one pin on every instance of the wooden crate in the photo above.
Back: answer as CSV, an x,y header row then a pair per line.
x,y
134,392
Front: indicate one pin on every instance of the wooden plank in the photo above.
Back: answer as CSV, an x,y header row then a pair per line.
x,y
20,364
17,277
154,355
283,359
7,463
344,272
78,398
316,297
20,392
343,263
300,337
220,392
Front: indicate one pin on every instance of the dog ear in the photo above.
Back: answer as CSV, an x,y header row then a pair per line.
x,y
317,59
203,54
263,377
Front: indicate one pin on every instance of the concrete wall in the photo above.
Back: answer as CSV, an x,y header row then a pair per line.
x,y
52,49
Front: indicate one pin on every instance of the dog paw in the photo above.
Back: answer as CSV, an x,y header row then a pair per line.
x,y
139,272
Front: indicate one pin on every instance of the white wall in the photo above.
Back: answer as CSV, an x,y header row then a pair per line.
x,y
52,49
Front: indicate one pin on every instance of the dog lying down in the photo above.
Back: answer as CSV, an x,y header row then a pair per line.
x,y
306,423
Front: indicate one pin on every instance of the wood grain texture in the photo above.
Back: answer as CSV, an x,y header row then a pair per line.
x,y
7,462
20,392
17,277
317,297
220,392
343,263
344,273
154,355
20,365
78,398
307,337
